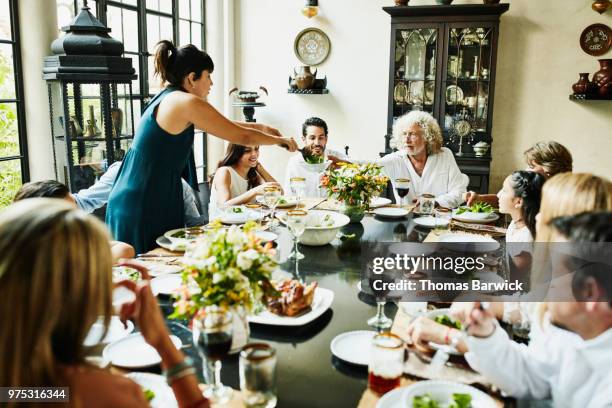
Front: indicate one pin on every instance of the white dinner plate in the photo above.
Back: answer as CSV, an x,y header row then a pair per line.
x,y
229,217
449,349
266,236
159,268
470,218
166,284
353,346
392,399
321,301
376,202
165,243
134,352
485,242
116,331
164,397
391,212
442,392
431,222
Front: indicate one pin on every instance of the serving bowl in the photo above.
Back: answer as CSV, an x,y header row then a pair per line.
x,y
321,227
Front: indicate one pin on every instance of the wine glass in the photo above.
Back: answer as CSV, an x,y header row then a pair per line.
x,y
298,188
271,196
212,335
380,291
402,186
296,222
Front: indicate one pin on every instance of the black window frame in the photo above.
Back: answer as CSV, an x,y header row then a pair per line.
x,y
19,99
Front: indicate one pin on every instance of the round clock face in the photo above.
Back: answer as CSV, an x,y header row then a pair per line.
x,y
462,127
596,39
312,46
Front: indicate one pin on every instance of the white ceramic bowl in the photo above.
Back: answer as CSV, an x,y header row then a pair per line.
x,y
323,235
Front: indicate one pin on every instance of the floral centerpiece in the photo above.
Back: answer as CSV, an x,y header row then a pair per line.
x,y
230,268
354,185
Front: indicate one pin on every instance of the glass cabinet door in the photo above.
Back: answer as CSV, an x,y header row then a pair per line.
x,y
466,84
414,70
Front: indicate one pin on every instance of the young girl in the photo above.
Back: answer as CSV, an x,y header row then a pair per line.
x,y
238,179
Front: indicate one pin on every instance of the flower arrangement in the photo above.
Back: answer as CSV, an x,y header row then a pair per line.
x,y
227,268
354,184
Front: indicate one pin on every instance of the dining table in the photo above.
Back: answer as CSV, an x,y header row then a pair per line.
x,y
308,374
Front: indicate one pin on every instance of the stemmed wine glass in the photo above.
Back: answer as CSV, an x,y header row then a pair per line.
x,y
402,186
298,188
380,321
212,335
296,222
271,197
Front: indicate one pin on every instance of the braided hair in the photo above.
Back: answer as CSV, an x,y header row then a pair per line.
x,y
528,186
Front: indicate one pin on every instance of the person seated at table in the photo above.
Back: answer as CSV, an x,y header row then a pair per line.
x,y
96,196
55,189
315,136
545,158
55,273
238,179
573,372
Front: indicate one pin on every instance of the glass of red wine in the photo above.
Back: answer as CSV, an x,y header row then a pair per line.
x,y
402,186
212,335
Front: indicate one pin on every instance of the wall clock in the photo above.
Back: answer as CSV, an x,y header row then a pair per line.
x,y
596,39
312,46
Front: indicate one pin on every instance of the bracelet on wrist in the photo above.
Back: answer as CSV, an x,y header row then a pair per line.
x,y
181,374
177,368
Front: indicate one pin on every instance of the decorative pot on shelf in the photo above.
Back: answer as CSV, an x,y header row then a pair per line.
x,y
401,2
355,212
584,86
490,1
304,79
601,6
481,148
603,78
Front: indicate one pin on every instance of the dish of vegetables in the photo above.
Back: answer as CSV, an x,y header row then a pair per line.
x,y
475,208
427,401
448,321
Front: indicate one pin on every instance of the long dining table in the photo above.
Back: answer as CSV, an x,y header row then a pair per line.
x,y
308,375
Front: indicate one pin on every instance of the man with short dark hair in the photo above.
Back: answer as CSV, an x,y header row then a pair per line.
x,y
315,138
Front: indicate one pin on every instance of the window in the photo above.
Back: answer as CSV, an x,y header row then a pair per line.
x,y
140,25
13,150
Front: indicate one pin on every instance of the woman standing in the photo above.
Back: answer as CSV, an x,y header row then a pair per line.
x,y
146,199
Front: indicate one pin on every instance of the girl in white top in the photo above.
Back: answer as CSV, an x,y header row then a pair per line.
x,y
238,179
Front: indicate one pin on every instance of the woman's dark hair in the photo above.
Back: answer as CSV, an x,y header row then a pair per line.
x,y
174,64
528,186
45,188
232,156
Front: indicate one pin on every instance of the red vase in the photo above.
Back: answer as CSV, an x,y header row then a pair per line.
x,y
584,86
603,78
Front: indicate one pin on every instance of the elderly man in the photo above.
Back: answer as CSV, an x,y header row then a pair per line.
x,y
315,137
421,158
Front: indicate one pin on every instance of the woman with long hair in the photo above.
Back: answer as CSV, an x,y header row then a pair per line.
x,y
238,179
60,289
147,199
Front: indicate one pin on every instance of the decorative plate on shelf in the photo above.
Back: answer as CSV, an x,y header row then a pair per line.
x,y
312,46
454,95
416,92
596,39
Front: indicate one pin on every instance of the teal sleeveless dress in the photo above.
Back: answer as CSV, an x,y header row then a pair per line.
x,y
147,197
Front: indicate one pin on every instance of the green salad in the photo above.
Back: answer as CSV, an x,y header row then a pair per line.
x,y
282,200
237,210
427,401
448,321
313,159
121,273
149,395
476,208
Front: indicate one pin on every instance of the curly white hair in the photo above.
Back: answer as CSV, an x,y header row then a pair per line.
x,y
431,130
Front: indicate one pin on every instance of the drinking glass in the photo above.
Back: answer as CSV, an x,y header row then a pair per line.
x,y
442,216
402,186
212,335
296,222
427,202
298,188
386,363
257,368
380,320
271,197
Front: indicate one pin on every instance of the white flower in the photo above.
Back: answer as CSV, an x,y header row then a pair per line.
x,y
235,237
217,277
245,259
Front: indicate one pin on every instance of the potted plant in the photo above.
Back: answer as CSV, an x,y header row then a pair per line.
x,y
354,185
229,268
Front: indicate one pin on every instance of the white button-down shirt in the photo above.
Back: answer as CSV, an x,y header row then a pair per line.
x,y
557,363
297,167
441,177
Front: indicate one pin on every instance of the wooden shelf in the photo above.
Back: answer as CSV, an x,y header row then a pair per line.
x,y
580,98
308,91
448,10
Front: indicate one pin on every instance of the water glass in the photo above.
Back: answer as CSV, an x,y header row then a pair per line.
x,y
298,188
442,217
296,222
257,368
427,203
386,364
271,197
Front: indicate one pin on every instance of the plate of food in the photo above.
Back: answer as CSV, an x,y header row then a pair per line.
x,y
431,222
376,202
438,393
121,273
443,317
478,213
283,201
134,352
174,246
239,215
298,304
156,389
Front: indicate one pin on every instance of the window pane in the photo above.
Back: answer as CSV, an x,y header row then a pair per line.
x,y
93,7
7,74
166,29
113,17
184,33
154,81
137,113
165,6
184,9
152,32
130,30
153,4
136,65
5,20
9,133
196,34
130,2
65,12
196,10
10,181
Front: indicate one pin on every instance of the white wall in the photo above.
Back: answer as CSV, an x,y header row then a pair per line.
x,y
539,58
